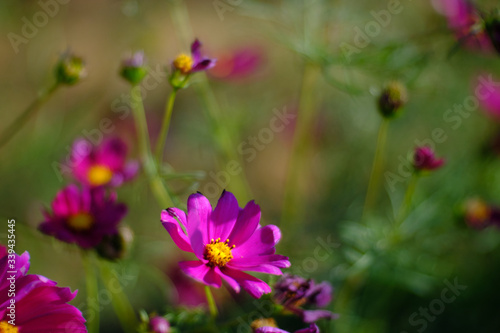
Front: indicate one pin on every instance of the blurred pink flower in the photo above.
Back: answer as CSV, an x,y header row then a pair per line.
x,y
465,21
227,241
237,64
311,329
104,164
83,216
425,159
489,97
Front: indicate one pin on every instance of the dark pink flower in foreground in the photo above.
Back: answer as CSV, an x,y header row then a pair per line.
x,y
465,21
425,159
195,62
40,306
159,324
294,292
227,241
83,216
311,329
102,165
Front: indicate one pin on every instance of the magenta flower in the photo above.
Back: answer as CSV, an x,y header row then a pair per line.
x,y
40,306
227,241
294,291
238,64
465,21
159,324
83,216
311,329
425,159
102,165
488,92
195,62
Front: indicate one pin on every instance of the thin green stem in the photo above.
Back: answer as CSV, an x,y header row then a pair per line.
x,y
29,112
160,143
92,292
213,113
157,186
297,166
377,168
211,302
406,204
121,305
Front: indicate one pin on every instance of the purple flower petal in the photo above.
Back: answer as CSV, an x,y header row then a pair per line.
x,y
261,242
248,221
199,211
178,236
270,330
223,217
201,272
195,50
112,153
255,287
203,65
311,316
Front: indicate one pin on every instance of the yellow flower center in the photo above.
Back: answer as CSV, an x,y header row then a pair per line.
x,y
263,322
99,175
218,253
80,222
184,63
477,211
5,327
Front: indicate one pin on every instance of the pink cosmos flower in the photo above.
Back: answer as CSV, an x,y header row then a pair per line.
x,y
466,23
227,241
83,216
425,159
102,165
195,62
238,64
40,306
313,328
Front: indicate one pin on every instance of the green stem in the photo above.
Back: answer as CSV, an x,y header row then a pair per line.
x,y
119,300
212,109
29,112
377,168
160,143
157,186
406,204
297,165
92,292
211,302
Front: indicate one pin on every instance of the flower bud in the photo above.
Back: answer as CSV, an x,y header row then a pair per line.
x,y
159,324
393,97
425,159
115,247
70,69
133,68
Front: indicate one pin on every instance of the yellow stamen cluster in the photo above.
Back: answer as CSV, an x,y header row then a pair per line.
x,y
5,327
99,175
184,63
80,222
218,253
263,322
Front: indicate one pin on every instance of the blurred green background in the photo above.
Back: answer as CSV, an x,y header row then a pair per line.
x,y
379,285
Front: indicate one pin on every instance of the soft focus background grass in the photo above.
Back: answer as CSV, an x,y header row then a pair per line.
x,y
391,282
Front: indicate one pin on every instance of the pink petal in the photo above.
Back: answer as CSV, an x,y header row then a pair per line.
x,y
178,236
223,218
247,223
112,153
255,287
261,242
198,217
179,215
201,272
